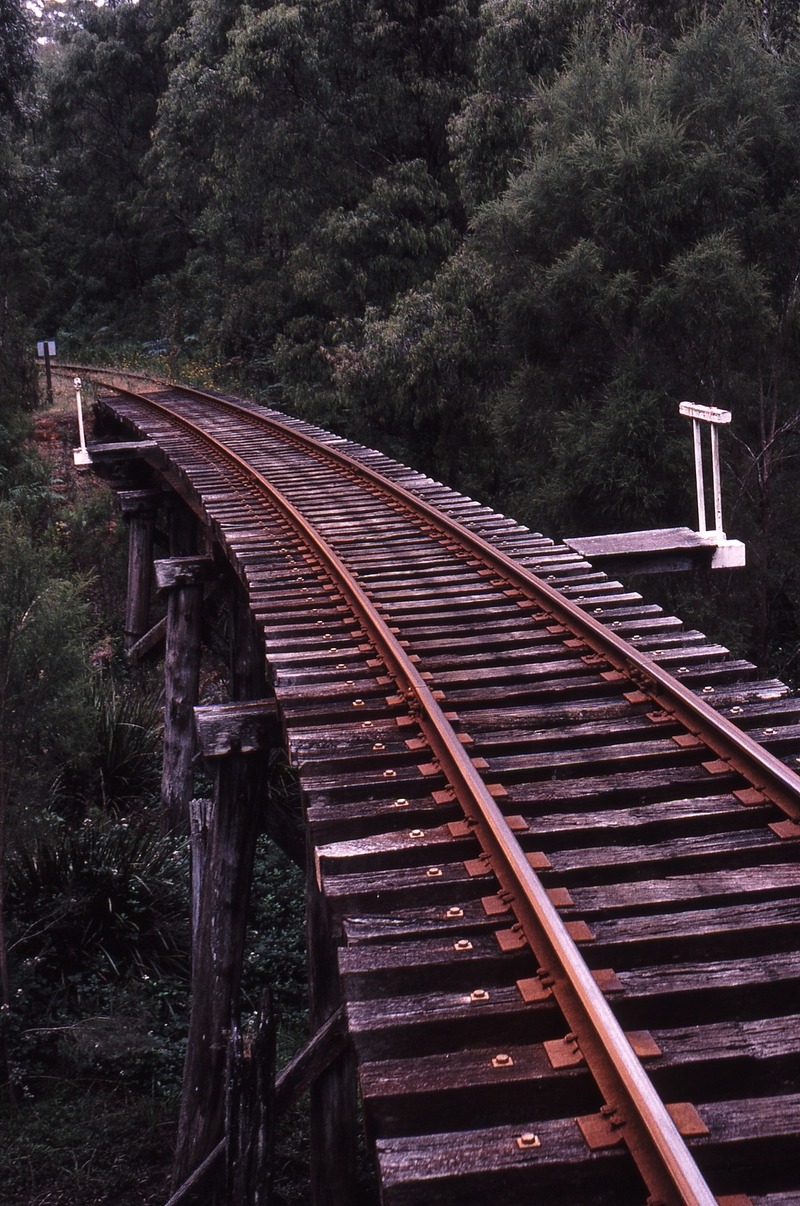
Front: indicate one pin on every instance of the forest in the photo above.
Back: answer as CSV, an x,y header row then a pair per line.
x,y
498,239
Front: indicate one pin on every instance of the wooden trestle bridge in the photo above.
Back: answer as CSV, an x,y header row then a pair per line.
x,y
551,836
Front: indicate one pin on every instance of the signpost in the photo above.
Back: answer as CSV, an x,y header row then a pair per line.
x,y
47,349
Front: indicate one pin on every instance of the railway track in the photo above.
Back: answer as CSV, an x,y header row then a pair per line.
x,y
555,831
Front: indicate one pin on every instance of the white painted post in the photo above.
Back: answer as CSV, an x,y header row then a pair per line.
x,y
80,455
698,473
716,480
714,417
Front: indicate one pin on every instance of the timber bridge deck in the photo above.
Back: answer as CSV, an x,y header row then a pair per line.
x,y
553,835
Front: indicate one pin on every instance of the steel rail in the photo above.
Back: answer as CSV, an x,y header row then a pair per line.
x,y
634,1108
732,746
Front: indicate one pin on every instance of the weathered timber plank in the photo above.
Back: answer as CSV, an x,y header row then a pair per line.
x,y
244,727
463,1089
383,969
313,1058
398,887
332,1103
634,754
463,1167
466,917
444,1021
181,691
754,1139
708,852
469,916
149,641
403,777
623,788
764,926
365,818
139,508
217,955
404,887
183,571
659,820
773,882
404,848
686,993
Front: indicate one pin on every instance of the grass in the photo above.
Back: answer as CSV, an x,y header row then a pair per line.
x,y
82,1143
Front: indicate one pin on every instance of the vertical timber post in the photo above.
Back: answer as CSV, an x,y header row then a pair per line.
x,y
184,578
248,669
182,528
332,1104
200,813
250,1111
48,373
247,660
716,479
139,508
715,417
235,739
698,472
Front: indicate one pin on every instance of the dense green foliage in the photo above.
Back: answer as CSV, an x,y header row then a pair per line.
x,y
99,1011
646,251
501,240
94,923
104,236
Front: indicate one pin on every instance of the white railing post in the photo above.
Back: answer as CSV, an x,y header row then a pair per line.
x,y
81,455
714,417
698,473
716,478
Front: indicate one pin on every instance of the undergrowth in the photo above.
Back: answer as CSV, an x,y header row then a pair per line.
x,y
100,1011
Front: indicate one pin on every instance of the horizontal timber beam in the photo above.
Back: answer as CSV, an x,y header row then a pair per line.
x,y
173,572
158,632
244,727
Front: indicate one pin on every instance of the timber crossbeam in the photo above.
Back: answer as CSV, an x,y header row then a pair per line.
x,y
245,727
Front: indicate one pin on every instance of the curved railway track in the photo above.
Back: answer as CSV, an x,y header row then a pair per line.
x,y
557,832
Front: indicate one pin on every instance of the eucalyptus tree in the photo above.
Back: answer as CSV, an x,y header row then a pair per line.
x,y
306,148
107,232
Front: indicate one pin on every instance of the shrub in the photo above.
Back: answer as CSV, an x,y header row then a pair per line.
x,y
105,899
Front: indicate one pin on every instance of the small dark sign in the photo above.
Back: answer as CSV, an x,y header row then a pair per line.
x,y
47,349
